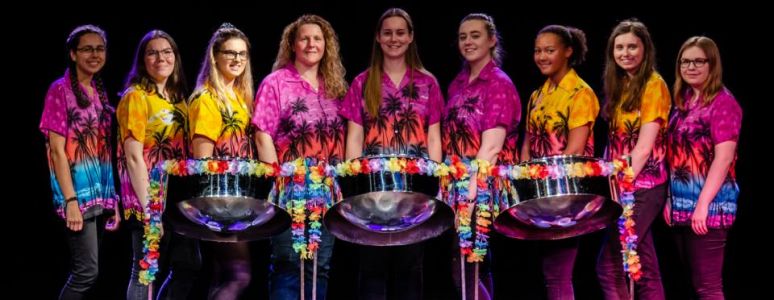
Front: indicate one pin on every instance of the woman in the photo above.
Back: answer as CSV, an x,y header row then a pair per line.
x,y
299,103
76,123
703,134
481,118
152,122
391,109
637,109
219,118
560,121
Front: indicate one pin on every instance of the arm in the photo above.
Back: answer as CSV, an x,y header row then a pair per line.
x,y
525,147
202,147
724,156
354,148
644,146
576,140
492,141
73,216
434,142
137,170
266,151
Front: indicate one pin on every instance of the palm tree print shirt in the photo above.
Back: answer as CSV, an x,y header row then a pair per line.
x,y
302,122
552,113
625,131
693,134
404,116
226,124
489,101
161,128
87,146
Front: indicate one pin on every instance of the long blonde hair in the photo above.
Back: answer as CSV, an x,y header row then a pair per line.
x,y
331,68
210,77
373,85
714,82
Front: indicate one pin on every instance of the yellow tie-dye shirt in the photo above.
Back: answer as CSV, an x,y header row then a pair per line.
x,y
226,124
159,125
552,113
625,130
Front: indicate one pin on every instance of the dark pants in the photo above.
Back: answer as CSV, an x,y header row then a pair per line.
x,y
558,262
704,256
285,281
391,272
647,206
84,250
185,263
136,290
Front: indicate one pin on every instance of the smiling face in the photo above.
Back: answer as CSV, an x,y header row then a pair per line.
x,y
694,67
394,37
551,55
628,52
89,56
309,45
474,42
232,58
159,59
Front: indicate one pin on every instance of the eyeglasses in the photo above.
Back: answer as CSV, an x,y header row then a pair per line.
x,y
233,55
697,62
90,49
165,53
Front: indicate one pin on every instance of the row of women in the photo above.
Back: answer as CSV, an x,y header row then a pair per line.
x,y
305,108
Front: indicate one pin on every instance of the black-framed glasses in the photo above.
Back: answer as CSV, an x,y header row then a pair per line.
x,y
165,53
90,49
234,55
697,62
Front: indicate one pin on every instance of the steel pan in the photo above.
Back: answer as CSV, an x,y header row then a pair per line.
x,y
388,209
557,208
223,207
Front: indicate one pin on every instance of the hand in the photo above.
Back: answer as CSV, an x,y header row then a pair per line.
x,y
667,212
73,216
113,221
699,220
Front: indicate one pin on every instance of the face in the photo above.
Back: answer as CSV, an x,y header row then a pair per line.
x,y
628,52
232,58
89,56
551,56
694,67
474,41
394,37
309,46
159,59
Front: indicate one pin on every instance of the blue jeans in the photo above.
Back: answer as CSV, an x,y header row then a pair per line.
x,y
285,281
84,250
136,290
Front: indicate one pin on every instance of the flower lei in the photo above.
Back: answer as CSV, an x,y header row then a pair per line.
x,y
460,171
156,198
411,166
628,237
311,189
541,171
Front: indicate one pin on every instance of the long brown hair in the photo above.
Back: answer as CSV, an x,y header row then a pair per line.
x,y
714,82
331,68
615,76
139,74
373,86
497,51
72,46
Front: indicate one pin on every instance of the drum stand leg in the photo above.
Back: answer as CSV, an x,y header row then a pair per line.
x,y
462,276
631,289
475,282
150,291
301,276
314,278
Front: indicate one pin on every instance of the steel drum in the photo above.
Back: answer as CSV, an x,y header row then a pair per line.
x,y
223,207
388,209
553,209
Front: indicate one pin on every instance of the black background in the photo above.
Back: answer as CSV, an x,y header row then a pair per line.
x,y
36,254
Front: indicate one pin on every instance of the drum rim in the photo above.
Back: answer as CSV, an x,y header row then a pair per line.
x,y
393,156
561,156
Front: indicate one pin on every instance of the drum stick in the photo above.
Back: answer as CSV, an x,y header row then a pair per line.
x,y
462,276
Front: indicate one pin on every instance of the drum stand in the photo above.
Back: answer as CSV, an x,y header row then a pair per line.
x,y
314,277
